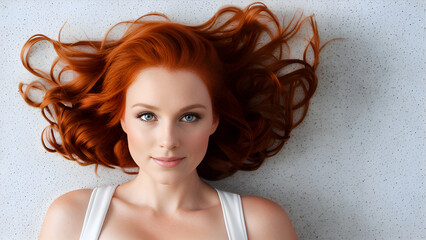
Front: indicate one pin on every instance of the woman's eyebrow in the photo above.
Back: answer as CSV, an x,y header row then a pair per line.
x,y
197,105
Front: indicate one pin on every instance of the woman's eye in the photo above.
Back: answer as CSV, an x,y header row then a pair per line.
x,y
146,117
149,117
190,117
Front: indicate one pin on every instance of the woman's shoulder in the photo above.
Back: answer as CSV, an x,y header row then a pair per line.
x,y
65,216
266,219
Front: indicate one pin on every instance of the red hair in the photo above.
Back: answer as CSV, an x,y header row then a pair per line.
x,y
253,98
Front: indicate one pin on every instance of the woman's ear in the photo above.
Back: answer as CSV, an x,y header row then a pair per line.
x,y
123,124
215,123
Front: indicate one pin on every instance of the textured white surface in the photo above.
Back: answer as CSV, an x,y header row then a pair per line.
x,y
355,168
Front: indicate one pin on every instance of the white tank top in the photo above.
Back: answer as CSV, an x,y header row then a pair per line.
x,y
101,198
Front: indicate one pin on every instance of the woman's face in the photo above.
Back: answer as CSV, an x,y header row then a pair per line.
x,y
168,120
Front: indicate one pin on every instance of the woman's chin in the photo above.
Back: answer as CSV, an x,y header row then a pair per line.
x,y
173,178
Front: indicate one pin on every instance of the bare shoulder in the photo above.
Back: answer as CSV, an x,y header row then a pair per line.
x,y
65,216
266,219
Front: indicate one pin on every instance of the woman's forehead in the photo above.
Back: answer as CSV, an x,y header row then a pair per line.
x,y
160,86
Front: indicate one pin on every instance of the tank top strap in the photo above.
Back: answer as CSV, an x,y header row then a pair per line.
x,y
96,212
233,215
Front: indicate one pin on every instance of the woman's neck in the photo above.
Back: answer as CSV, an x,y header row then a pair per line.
x,y
188,194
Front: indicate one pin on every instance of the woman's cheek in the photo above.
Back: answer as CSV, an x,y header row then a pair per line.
x,y
200,141
137,140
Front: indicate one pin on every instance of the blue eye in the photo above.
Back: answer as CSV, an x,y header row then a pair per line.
x,y
190,117
149,117
146,116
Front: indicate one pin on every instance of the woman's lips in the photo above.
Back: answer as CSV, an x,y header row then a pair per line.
x,y
167,162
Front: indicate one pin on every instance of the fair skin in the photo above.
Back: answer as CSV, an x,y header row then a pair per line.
x,y
167,114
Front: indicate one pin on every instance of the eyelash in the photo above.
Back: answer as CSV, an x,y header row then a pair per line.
x,y
196,115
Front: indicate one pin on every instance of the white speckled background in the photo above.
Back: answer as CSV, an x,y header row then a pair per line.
x,y
355,168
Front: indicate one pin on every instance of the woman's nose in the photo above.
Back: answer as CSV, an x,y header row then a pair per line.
x,y
169,138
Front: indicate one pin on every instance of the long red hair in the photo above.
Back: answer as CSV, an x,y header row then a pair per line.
x,y
252,86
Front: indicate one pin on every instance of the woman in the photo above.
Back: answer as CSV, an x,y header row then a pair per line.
x,y
181,104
